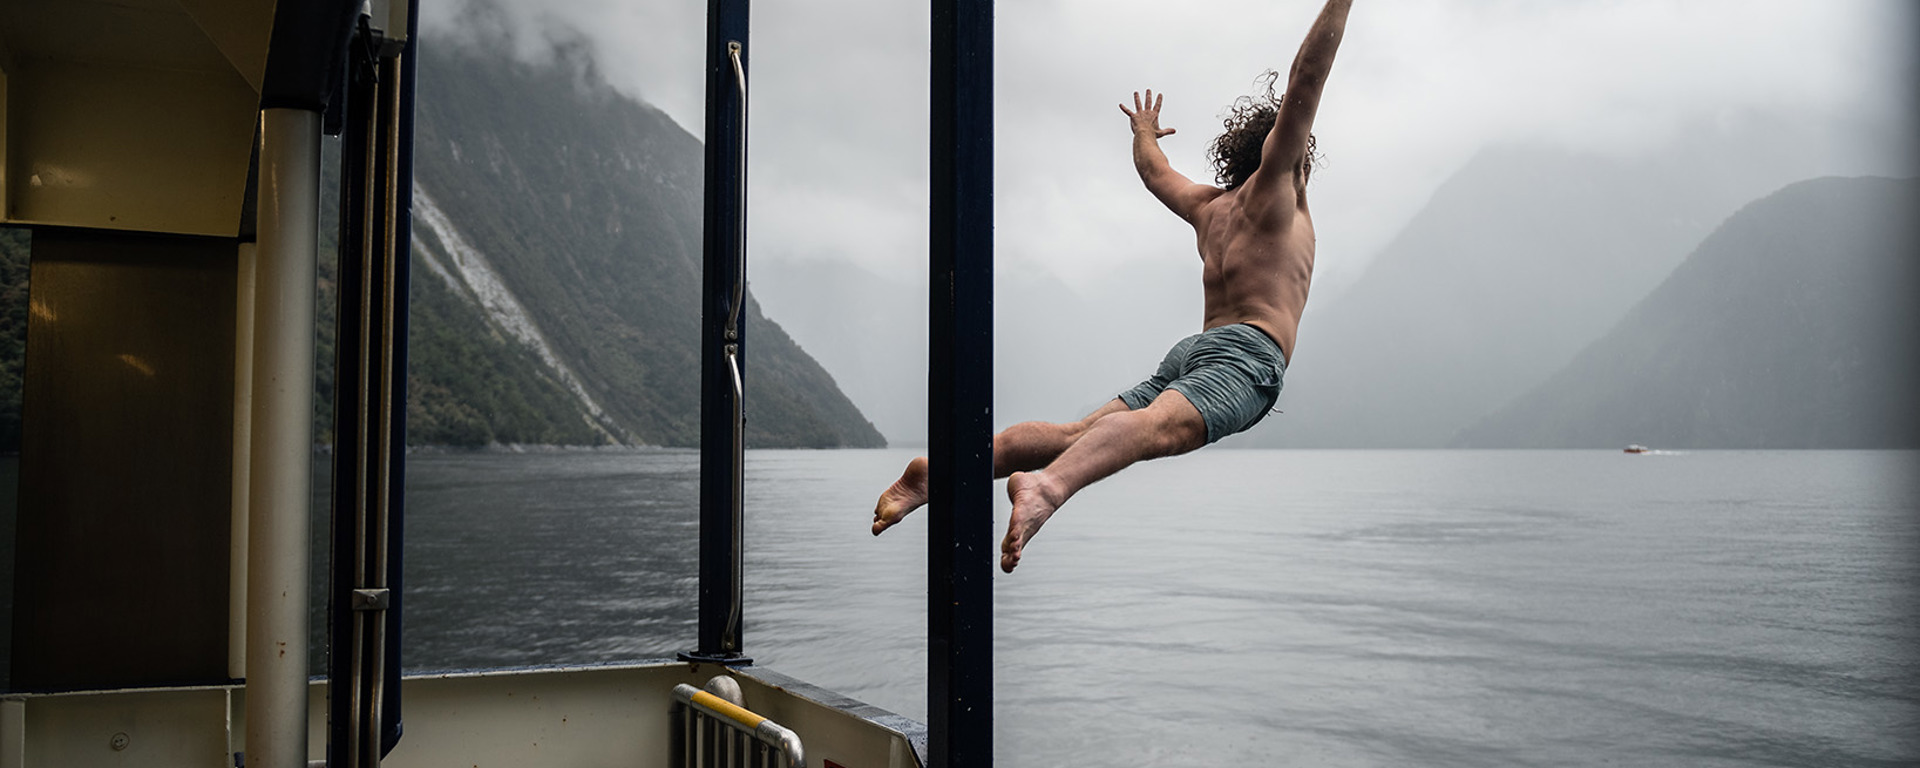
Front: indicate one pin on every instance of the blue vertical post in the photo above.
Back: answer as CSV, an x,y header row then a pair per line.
x,y
402,286
960,552
370,388
723,337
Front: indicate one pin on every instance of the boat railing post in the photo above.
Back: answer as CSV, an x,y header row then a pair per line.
x,y
960,388
723,339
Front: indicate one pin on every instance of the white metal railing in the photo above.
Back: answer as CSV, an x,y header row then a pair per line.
x,y
711,732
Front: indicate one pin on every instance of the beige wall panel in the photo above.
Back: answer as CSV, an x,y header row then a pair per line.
x,y
594,716
240,29
128,729
148,33
113,147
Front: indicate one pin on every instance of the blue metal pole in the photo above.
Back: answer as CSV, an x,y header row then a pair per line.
x,y
390,720
960,389
723,337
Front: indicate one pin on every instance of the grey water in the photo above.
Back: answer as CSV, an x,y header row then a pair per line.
x,y
1325,608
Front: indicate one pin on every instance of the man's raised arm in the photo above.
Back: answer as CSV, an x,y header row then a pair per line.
x,y
1286,146
1175,190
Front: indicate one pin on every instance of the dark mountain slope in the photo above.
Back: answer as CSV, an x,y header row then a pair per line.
x,y
586,206
1792,326
1523,257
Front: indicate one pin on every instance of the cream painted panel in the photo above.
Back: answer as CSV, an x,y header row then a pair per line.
x,y
13,734
240,29
128,728
827,733
587,717
116,147
143,33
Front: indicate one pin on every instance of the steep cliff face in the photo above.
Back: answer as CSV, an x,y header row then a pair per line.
x,y
1792,326
557,268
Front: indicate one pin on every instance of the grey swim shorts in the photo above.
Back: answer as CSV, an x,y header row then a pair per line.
x,y
1231,373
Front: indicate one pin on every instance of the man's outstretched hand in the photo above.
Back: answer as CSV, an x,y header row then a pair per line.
x,y
1146,114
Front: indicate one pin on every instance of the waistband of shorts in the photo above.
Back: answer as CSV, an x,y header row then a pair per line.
x,y
1258,331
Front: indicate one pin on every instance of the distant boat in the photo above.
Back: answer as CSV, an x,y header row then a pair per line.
x,y
1637,448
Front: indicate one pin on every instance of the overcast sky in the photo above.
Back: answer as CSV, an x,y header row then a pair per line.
x,y
839,101
839,108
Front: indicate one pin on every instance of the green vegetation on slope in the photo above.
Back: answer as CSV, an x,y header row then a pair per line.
x,y
587,204
466,386
13,332
471,389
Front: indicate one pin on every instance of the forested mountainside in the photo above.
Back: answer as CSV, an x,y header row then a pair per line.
x,y
557,264
13,332
1792,326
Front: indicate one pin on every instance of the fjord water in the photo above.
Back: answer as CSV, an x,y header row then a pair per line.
x,y
1327,608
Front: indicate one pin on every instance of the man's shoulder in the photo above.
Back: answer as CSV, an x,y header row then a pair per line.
x,y
1271,199
1217,199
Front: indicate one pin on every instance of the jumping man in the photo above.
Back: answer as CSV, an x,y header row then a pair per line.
x,y
1256,250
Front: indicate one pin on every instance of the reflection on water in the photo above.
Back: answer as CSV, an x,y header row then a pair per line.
x,y
522,559
1243,607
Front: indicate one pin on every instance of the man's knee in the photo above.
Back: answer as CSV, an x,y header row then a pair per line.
x,y
1183,434
1161,431
1177,426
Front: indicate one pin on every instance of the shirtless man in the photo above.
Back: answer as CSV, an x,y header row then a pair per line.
x,y
1256,250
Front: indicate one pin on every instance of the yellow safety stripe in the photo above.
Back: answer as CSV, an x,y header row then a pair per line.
x,y
724,707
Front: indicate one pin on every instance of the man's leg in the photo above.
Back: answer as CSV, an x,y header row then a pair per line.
x,y
1021,447
1169,426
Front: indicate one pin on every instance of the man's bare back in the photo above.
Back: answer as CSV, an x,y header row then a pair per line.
x,y
1255,272
1255,237
1256,243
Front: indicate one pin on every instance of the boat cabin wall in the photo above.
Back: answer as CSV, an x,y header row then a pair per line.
x,y
125,500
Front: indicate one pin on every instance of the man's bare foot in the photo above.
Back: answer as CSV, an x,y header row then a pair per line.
x,y
905,495
1034,500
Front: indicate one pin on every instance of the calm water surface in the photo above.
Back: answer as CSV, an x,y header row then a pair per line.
x,y
1249,607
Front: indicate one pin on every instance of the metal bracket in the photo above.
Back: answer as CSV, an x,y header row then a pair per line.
x,y
370,599
733,364
739,70
723,659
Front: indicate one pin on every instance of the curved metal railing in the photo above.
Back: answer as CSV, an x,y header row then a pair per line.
x,y
711,731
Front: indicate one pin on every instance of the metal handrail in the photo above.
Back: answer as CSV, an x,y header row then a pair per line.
x,y
691,749
740,234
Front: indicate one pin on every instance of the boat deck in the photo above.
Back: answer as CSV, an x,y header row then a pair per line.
x,y
605,715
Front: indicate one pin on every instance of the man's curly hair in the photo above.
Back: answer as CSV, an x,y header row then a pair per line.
x,y
1235,155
